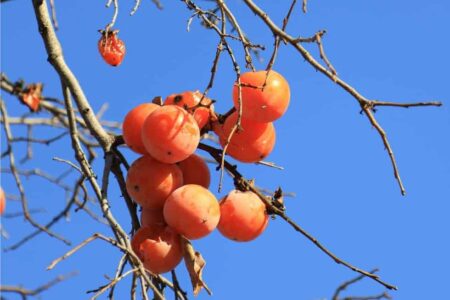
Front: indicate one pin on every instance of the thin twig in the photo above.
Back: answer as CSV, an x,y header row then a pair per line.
x,y
111,284
364,102
23,292
18,181
114,17
274,208
346,284
53,9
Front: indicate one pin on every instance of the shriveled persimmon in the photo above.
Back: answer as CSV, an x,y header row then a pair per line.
x,y
111,48
195,171
149,182
170,134
193,103
192,211
132,126
262,103
158,247
252,142
243,216
150,217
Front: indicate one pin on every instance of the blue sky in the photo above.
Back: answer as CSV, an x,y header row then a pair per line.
x,y
334,161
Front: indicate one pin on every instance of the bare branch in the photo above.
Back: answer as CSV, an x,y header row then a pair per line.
x,y
375,103
56,59
17,179
328,72
53,9
277,208
113,282
116,13
26,292
388,147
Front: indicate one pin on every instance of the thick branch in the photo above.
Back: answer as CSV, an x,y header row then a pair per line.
x,y
56,59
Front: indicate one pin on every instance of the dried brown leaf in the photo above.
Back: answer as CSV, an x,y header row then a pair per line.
x,y
194,264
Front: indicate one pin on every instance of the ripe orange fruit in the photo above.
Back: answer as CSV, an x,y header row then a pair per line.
x,y
262,105
195,171
2,201
243,216
132,126
252,143
170,134
111,48
190,101
158,247
192,211
149,182
150,217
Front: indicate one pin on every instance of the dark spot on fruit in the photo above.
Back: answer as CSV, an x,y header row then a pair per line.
x,y
169,153
136,188
204,221
177,99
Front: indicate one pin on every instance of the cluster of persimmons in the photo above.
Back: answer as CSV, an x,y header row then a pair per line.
x,y
170,182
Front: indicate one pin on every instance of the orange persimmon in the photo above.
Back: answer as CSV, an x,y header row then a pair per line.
x,y
190,101
2,201
170,134
149,182
195,171
252,142
262,103
243,216
158,247
151,217
132,126
192,211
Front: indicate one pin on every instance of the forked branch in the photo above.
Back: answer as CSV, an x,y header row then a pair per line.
x,y
331,73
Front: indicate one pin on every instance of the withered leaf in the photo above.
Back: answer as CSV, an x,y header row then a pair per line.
x,y
194,264
31,96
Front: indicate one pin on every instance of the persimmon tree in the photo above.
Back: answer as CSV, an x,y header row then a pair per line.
x,y
244,132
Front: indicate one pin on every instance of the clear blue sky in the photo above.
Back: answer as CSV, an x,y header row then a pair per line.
x,y
334,161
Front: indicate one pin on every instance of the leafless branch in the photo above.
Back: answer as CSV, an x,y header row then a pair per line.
x,y
17,179
53,9
25,293
328,72
116,13
346,284
278,209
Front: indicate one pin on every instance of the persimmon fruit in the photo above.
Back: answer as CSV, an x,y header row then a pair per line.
x,y
262,103
158,247
170,134
111,48
192,211
252,142
2,201
190,101
132,126
195,171
243,216
150,217
149,182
